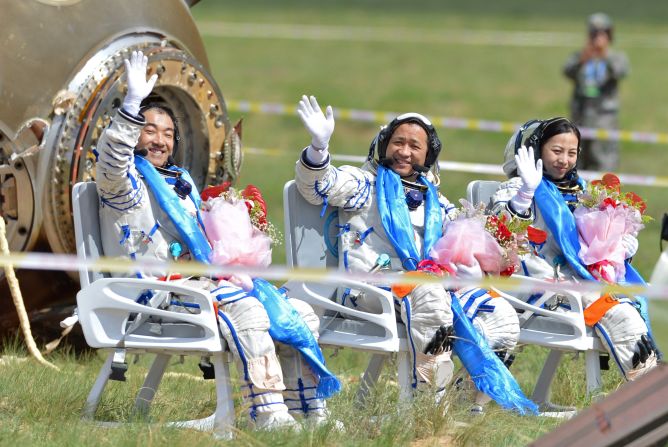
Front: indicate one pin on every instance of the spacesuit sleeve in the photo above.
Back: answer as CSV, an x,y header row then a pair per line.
x,y
116,177
347,187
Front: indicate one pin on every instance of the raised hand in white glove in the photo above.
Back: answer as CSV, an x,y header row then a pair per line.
x,y
630,245
531,173
319,125
138,87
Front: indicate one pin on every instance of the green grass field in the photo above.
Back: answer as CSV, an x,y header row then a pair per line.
x,y
502,82
431,74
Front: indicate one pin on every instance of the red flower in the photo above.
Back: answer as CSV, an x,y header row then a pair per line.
x,y
536,235
611,181
214,191
503,233
596,182
609,202
508,271
636,201
251,192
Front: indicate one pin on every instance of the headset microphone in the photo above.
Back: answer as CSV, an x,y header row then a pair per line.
x,y
143,152
420,168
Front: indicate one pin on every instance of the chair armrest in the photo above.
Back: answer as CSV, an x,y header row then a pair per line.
x,y
319,295
105,307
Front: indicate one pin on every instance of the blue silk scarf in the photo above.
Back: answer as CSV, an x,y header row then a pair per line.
x,y
286,325
488,372
170,203
396,219
561,223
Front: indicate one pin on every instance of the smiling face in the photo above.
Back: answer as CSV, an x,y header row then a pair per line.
x,y
559,154
407,146
157,137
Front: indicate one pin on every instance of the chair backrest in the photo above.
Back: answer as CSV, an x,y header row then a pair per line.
x,y
305,244
85,208
481,191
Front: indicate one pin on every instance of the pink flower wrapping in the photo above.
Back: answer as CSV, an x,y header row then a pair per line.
x,y
603,217
465,241
600,233
234,239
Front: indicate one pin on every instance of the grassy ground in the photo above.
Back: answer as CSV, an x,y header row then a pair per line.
x,y
40,406
434,77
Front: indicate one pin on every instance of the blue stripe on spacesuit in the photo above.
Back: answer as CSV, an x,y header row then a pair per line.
x,y
125,229
303,400
472,298
237,343
480,306
407,305
365,234
133,201
611,345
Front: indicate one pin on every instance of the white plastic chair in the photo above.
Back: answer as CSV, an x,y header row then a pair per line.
x,y
341,326
559,331
110,318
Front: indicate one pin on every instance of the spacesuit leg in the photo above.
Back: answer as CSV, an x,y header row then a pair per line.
x,y
300,381
496,320
424,311
623,332
244,324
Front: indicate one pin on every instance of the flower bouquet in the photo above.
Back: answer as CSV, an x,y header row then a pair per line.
x,y
237,227
474,239
603,216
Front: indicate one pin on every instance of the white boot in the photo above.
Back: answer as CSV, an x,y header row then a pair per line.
x,y
270,413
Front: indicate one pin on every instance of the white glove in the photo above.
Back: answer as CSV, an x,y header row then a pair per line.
x,y
319,125
463,271
138,87
630,245
531,173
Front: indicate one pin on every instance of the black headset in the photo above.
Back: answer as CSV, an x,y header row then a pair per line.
x,y
380,142
536,136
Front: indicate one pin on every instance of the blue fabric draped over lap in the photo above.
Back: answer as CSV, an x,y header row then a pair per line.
x,y
397,221
170,203
487,371
561,223
288,327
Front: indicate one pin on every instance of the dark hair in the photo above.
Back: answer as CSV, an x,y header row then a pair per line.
x,y
549,128
558,127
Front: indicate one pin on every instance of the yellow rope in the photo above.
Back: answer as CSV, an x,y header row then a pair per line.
x,y
18,301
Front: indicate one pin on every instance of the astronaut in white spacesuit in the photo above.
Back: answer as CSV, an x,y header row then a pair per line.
x,y
391,205
150,209
546,191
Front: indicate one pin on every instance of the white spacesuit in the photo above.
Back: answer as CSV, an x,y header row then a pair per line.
x,y
407,146
621,328
152,212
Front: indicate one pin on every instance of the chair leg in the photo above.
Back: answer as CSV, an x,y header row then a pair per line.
x,y
151,383
593,371
404,367
224,416
371,375
541,393
93,399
